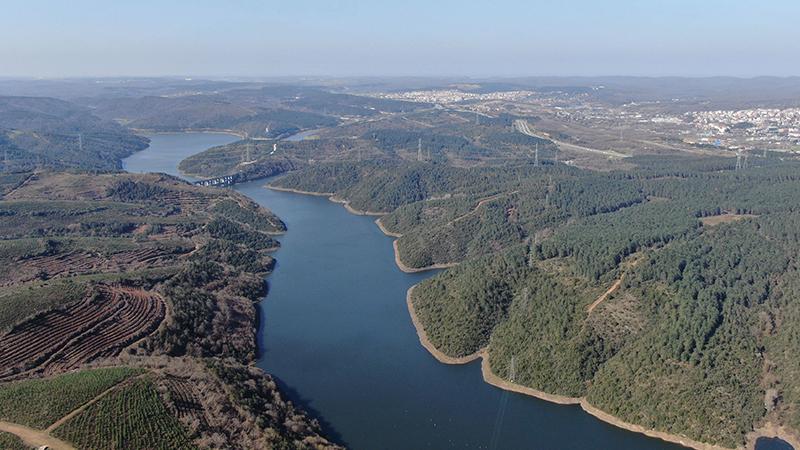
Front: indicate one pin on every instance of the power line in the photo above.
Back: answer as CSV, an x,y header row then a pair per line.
x,y
501,410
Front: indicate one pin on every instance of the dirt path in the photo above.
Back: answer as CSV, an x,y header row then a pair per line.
x,y
80,409
626,267
39,438
24,182
605,295
34,438
481,203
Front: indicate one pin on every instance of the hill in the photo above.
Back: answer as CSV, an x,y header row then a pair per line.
x,y
51,133
134,298
662,295
207,112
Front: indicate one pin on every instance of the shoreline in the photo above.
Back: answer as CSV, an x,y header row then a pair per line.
x,y
332,197
772,431
408,269
297,191
491,378
145,131
400,263
423,338
664,436
384,230
358,212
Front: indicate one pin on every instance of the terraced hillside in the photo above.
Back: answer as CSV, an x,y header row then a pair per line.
x,y
153,280
99,327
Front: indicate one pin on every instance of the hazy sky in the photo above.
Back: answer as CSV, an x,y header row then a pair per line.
x,y
406,37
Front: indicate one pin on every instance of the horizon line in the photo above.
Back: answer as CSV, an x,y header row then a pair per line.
x,y
194,77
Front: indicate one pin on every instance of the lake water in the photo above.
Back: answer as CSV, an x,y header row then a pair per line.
x,y
336,334
167,150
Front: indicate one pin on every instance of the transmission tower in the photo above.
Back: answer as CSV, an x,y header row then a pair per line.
x,y
419,149
738,160
80,142
536,155
765,152
477,118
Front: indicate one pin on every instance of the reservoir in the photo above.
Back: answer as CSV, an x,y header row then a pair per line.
x,y
336,334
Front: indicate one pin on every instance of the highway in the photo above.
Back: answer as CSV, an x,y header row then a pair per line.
x,y
523,127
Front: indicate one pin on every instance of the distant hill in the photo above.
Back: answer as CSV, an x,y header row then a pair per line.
x,y
46,132
199,112
272,111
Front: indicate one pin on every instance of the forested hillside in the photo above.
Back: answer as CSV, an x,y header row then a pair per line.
x,y
49,133
662,290
212,112
665,295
